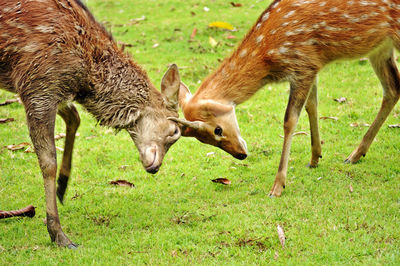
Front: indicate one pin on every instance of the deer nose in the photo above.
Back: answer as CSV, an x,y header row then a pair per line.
x,y
241,156
153,169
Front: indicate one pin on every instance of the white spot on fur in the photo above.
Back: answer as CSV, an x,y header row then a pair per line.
x,y
258,26
44,29
243,53
283,50
285,24
265,17
254,53
290,33
322,4
333,9
259,38
31,47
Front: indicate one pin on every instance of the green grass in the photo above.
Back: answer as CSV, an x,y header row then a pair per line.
x,y
179,216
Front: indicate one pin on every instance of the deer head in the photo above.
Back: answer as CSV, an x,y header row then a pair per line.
x,y
211,122
153,132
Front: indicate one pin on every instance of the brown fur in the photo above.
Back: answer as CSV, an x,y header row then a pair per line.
x,y
53,52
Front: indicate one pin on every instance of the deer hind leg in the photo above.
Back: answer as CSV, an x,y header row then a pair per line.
x,y
385,68
71,118
299,92
41,119
312,111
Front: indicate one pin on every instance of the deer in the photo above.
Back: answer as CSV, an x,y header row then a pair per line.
x,y
292,41
54,53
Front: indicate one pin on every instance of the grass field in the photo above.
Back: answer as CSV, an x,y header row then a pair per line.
x,y
179,216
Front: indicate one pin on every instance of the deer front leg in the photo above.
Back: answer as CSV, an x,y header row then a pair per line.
x,y
71,118
298,95
312,111
41,129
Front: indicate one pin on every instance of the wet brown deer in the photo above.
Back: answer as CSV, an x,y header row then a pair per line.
x,y
291,41
53,52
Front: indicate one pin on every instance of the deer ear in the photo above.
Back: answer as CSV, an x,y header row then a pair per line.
x,y
216,108
184,95
170,84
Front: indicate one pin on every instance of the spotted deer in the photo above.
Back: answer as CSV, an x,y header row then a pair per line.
x,y
291,41
53,52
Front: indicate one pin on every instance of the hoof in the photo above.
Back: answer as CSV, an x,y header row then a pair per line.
x,y
276,191
312,166
73,246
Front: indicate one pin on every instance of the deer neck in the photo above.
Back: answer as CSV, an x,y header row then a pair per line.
x,y
239,77
119,92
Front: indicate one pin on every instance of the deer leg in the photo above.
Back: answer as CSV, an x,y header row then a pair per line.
x,y
385,68
312,111
298,95
71,118
41,129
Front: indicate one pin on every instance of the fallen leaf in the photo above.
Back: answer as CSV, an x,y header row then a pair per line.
x,y
18,146
230,36
359,125
236,4
210,153
156,45
90,137
194,32
329,117
174,253
59,149
122,183
319,178
221,25
59,136
351,188
341,100
212,41
7,102
206,9
223,181
296,134
6,120
281,235
30,149
300,133
394,126
276,255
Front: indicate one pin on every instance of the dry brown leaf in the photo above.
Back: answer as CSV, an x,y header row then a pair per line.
x,y
300,133
359,125
236,4
281,235
16,147
394,126
276,255
6,120
59,136
194,32
329,117
7,102
351,188
122,183
223,181
30,149
341,100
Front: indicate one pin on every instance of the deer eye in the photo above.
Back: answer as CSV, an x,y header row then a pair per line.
x,y
218,131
